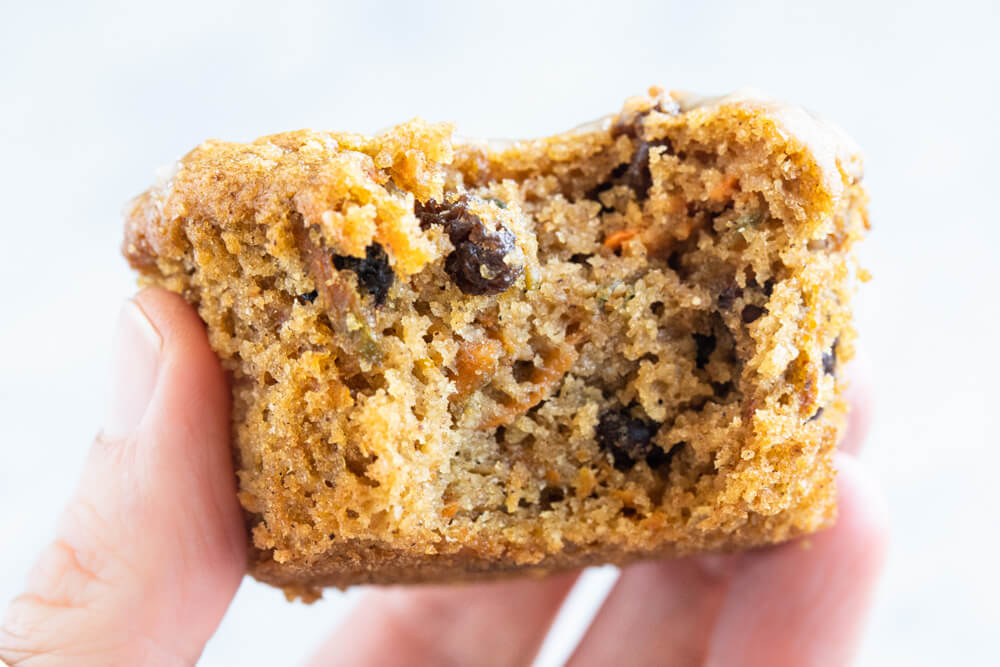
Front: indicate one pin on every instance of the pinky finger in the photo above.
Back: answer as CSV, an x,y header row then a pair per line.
x,y
803,603
806,603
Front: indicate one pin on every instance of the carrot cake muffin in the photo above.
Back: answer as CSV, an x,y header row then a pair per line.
x,y
455,359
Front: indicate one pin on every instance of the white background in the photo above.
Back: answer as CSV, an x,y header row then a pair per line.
x,y
94,96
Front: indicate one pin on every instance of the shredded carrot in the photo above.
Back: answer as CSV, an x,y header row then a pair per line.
x,y
476,364
627,496
615,240
544,379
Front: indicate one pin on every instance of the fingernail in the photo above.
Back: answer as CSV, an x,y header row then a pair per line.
x,y
135,360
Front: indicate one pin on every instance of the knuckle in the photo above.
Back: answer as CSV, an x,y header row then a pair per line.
x,y
38,630
66,577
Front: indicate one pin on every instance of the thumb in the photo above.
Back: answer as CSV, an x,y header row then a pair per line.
x,y
152,547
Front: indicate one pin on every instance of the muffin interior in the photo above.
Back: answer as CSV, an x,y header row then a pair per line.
x,y
629,334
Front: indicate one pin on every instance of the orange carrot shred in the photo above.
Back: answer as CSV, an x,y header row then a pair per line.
x,y
615,240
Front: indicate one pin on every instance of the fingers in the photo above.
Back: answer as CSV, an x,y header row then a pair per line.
x,y
803,603
659,613
861,398
152,547
483,624
806,603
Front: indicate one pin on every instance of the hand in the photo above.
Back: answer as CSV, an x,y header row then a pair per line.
x,y
152,548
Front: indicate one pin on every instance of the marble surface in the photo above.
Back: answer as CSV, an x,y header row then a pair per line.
x,y
95,96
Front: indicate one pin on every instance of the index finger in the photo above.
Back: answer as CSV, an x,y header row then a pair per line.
x,y
498,623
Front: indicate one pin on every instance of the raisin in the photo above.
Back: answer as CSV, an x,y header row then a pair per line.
x,y
751,313
477,263
308,297
453,216
374,274
705,344
627,438
628,127
630,123
638,176
579,258
830,360
729,295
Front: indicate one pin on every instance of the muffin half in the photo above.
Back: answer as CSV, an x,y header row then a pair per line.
x,y
454,359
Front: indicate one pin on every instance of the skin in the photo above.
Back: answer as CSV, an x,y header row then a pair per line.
x,y
151,549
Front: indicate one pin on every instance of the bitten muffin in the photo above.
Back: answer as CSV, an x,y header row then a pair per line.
x,y
455,359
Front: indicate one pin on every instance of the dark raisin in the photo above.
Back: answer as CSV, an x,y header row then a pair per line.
x,y
627,438
374,274
579,258
628,128
629,124
308,297
768,286
751,313
817,415
729,295
705,345
830,360
638,176
477,263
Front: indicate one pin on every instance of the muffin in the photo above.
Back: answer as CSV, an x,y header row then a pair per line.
x,y
454,359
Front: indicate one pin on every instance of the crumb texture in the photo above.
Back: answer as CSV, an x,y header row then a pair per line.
x,y
454,359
